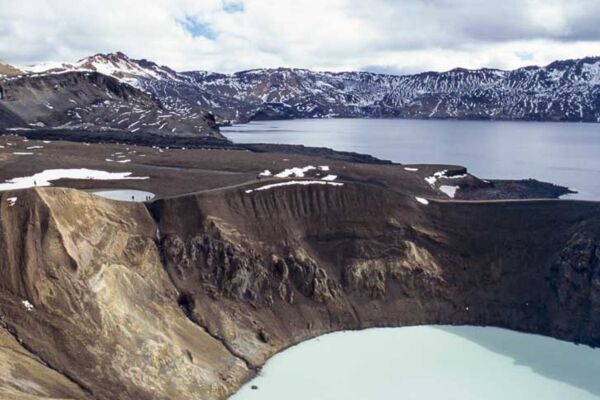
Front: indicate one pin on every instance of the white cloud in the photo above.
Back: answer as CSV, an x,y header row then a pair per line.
x,y
390,35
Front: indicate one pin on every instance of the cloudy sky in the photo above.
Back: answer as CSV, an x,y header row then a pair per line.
x,y
397,36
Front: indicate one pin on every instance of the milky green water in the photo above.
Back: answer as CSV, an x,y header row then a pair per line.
x,y
430,363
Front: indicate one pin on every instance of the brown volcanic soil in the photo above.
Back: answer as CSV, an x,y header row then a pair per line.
x,y
180,171
8,70
186,297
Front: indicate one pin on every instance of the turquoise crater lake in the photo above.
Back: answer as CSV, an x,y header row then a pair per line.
x,y
429,363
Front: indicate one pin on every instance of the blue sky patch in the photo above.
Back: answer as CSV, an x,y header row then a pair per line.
x,y
233,7
197,28
525,55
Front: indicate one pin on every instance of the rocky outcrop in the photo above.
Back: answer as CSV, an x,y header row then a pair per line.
x,y
189,297
576,283
415,267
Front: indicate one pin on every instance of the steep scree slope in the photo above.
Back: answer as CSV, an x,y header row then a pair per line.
x,y
83,288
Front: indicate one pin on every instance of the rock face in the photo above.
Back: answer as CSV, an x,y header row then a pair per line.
x,y
186,299
561,91
86,293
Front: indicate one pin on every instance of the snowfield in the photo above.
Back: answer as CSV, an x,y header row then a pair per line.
x,y
44,178
449,190
433,178
295,172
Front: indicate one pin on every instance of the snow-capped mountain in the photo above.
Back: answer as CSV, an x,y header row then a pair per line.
x,y
117,65
562,91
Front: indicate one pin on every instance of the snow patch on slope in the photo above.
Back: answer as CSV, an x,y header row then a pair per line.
x,y
295,172
44,178
291,183
450,191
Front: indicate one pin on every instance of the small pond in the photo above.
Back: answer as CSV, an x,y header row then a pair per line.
x,y
124,194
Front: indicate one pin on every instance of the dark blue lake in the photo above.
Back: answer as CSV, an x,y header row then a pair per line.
x,y
562,153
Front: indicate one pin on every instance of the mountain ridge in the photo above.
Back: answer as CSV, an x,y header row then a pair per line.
x,y
564,90
120,55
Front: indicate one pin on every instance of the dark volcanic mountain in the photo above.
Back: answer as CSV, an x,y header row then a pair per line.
x,y
82,99
561,91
